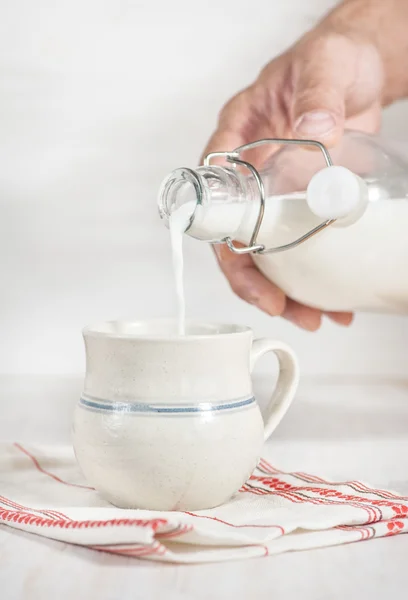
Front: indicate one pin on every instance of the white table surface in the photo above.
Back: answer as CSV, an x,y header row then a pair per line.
x,y
337,428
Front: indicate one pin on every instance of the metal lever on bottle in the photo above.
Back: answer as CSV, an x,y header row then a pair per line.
x,y
233,157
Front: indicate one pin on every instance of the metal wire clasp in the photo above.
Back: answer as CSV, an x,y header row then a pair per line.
x,y
233,158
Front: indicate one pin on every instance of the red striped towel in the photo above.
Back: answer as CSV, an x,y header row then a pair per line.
x,y
42,491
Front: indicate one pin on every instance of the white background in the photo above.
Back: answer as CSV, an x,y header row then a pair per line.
x,y
99,99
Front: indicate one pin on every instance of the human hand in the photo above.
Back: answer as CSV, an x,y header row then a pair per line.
x,y
331,79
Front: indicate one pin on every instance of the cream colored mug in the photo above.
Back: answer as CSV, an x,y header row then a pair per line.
x,y
169,422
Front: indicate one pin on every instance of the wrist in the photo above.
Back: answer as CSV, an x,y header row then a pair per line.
x,y
384,25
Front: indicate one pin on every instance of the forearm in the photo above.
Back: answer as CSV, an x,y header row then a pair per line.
x,y
385,24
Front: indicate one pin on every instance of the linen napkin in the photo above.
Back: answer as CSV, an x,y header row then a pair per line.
x,y
42,491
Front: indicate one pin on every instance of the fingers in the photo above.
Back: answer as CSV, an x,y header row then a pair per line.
x,y
310,318
249,283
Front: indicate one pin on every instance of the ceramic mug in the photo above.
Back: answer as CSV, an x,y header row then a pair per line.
x,y
169,422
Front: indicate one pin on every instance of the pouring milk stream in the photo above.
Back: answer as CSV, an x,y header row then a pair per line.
x,y
178,223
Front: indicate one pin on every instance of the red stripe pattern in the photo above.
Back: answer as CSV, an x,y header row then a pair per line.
x,y
357,512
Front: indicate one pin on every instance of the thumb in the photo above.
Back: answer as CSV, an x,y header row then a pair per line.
x,y
319,101
334,78
333,75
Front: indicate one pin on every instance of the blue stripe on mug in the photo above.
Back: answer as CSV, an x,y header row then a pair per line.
x,y
132,407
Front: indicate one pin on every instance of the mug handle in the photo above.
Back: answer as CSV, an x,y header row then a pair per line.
x,y
286,385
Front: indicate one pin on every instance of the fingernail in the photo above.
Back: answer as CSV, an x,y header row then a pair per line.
x,y
309,322
315,124
342,319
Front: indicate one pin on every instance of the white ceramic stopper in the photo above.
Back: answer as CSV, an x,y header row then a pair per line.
x,y
337,193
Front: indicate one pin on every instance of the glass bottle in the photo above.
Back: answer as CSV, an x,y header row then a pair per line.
x,y
349,264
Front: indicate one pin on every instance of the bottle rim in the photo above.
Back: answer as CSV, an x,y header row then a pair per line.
x,y
169,192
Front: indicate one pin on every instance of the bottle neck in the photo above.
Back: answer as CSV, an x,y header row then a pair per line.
x,y
218,198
